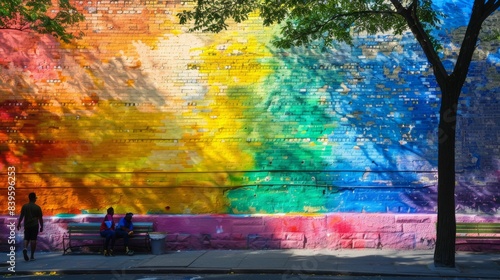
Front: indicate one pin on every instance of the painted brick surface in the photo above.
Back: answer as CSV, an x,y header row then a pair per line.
x,y
404,235
145,117
163,121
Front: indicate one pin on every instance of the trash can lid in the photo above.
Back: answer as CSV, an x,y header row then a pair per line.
x,y
157,235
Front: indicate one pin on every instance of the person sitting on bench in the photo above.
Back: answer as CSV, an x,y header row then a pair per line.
x,y
107,230
125,229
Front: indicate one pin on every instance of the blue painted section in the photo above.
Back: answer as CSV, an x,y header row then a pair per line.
x,y
363,123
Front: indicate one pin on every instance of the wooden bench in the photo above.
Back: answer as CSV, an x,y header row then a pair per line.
x,y
80,232
478,233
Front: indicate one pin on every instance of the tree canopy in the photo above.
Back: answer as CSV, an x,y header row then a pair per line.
x,y
304,21
41,16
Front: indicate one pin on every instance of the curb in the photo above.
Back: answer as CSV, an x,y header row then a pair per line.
x,y
165,271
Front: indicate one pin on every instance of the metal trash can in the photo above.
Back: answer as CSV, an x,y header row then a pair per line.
x,y
157,242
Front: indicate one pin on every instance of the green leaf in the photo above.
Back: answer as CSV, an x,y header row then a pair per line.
x,y
33,13
304,21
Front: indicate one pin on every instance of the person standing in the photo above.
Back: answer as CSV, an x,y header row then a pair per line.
x,y
32,216
107,230
125,229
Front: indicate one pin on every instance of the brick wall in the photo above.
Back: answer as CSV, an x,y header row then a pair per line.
x,y
145,117
330,231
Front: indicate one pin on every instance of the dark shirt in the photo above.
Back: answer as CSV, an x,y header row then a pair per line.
x,y
31,213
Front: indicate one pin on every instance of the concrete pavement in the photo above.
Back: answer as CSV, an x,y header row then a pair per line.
x,y
292,261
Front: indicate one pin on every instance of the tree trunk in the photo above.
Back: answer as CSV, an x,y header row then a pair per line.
x,y
444,254
451,85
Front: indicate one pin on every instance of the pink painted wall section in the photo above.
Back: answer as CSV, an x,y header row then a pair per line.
x,y
332,231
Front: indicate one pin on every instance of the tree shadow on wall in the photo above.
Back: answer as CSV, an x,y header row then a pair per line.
x,y
387,128
38,160
66,131
115,129
29,119
312,105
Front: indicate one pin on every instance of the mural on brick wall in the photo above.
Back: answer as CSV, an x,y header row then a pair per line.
x,y
141,115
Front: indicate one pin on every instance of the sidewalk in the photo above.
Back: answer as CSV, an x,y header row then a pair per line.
x,y
293,261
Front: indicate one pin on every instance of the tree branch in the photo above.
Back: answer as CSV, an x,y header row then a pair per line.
x,y
356,14
14,28
480,12
411,17
490,7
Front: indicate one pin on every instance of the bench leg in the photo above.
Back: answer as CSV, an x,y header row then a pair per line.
x,y
64,247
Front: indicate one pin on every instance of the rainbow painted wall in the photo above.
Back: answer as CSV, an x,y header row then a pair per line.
x,y
143,116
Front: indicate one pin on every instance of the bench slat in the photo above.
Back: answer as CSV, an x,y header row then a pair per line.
x,y
478,227
478,231
90,231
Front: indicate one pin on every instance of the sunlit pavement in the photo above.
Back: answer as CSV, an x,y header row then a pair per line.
x,y
287,263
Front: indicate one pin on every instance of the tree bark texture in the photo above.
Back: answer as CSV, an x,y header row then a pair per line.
x,y
444,254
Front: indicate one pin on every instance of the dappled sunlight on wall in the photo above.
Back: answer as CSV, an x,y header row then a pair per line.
x,y
143,116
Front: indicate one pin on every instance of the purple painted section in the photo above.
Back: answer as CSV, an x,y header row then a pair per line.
x,y
332,231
